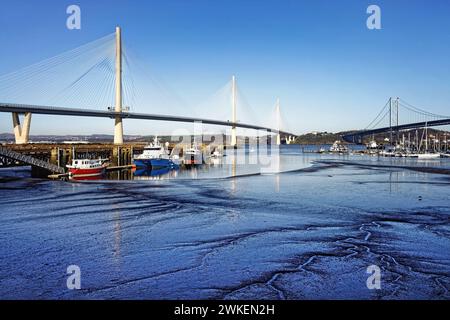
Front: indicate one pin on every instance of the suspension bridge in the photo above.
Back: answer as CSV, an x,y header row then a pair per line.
x,y
97,80
398,116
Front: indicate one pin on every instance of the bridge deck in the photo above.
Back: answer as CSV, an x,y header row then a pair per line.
x,y
21,108
356,136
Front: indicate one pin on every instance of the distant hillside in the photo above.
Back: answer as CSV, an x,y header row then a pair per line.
x,y
8,137
315,138
319,138
329,137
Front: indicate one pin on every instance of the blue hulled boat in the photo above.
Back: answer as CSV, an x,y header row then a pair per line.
x,y
154,156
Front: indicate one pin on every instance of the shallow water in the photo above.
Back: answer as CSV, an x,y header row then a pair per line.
x,y
309,232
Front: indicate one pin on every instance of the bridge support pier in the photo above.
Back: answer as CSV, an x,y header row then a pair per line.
x,y
289,139
118,131
21,133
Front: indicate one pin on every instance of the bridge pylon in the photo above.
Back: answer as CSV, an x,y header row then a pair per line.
x,y
233,111
21,133
278,115
118,127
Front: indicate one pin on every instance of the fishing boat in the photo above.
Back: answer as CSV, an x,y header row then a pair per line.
x,y
193,156
154,156
87,168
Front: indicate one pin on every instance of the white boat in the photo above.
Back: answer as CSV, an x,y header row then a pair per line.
x,y
428,155
338,147
386,153
193,155
425,156
372,145
412,155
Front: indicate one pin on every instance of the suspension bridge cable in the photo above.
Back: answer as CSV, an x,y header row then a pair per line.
x,y
419,110
381,112
381,119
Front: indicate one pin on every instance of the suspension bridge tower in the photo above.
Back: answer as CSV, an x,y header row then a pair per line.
x,y
233,111
278,116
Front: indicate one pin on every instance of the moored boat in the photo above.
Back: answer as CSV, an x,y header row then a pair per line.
x,y
427,156
193,156
87,168
338,147
372,145
154,156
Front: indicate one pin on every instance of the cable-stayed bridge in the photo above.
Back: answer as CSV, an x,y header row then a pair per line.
x,y
102,79
397,116
48,110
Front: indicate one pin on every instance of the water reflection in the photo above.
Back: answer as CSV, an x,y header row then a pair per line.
x,y
243,162
120,175
88,178
154,174
393,181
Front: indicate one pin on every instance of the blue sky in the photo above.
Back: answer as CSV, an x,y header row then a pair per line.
x,y
330,72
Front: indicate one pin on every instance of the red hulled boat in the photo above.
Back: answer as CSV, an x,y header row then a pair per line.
x,y
85,169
